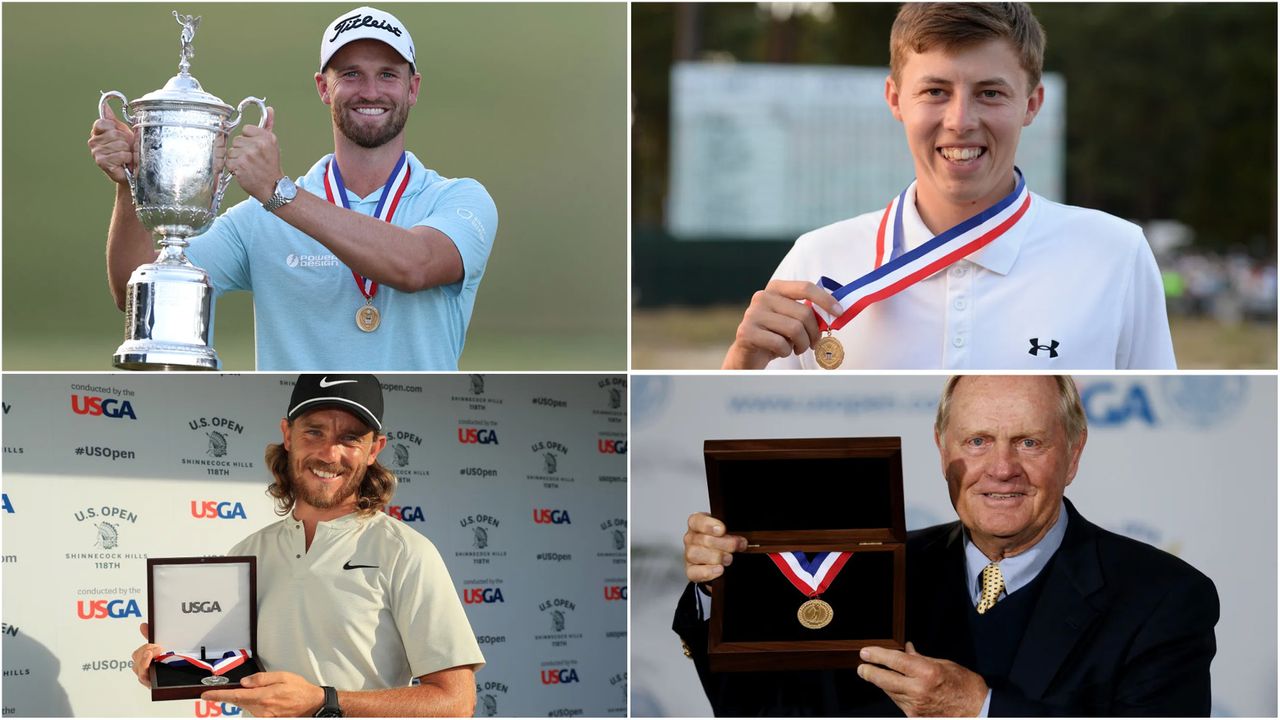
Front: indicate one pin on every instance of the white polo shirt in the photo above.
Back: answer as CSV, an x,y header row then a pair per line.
x,y
356,628
1066,288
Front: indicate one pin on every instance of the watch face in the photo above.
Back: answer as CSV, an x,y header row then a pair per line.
x,y
286,189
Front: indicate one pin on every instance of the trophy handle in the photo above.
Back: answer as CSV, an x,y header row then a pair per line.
x,y
104,112
260,102
224,180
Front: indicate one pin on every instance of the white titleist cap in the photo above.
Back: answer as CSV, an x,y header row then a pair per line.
x,y
366,23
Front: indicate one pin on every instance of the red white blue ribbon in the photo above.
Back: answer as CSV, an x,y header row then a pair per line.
x,y
896,270
336,192
814,575
232,659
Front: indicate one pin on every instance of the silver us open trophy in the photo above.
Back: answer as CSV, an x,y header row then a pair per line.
x,y
177,190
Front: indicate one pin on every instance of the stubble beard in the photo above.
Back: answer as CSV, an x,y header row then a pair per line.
x,y
371,137
304,493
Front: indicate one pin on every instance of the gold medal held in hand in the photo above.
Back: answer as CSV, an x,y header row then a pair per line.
x,y
368,318
815,613
828,352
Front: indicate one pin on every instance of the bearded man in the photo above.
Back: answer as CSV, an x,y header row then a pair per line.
x,y
368,261
352,603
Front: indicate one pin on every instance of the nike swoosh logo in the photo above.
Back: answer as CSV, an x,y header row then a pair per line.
x,y
349,566
326,383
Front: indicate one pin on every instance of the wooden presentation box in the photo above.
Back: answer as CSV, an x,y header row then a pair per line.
x,y
197,604
807,495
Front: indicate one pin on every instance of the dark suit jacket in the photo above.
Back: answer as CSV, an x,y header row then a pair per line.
x,y
1120,628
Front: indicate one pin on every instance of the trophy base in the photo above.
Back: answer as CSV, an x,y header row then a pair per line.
x,y
168,317
144,355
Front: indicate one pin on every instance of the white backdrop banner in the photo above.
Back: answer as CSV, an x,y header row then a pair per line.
x,y
1184,463
519,480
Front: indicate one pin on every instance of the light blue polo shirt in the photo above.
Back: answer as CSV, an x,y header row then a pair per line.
x,y
305,298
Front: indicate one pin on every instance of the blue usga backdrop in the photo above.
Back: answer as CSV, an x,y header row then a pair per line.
x,y
520,481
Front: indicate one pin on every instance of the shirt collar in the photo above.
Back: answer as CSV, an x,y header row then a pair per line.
x,y
345,522
998,256
315,178
1018,571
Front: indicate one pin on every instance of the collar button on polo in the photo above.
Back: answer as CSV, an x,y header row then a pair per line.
x,y
958,341
960,304
958,270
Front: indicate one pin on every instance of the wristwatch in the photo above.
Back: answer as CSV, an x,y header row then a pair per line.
x,y
285,192
330,707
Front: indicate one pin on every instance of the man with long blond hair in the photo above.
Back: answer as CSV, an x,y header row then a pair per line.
x,y
348,597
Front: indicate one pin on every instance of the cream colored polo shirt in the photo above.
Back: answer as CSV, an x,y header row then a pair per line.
x,y
370,606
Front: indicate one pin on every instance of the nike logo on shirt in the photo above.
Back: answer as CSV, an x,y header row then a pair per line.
x,y
349,566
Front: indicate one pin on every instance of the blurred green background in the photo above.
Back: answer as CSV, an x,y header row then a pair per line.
x,y
527,98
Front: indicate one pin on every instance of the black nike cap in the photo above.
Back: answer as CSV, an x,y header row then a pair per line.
x,y
360,395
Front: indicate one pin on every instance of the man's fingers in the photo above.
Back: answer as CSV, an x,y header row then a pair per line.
x,y
698,555
887,680
271,119
703,573
802,290
146,631
700,522
893,659
794,322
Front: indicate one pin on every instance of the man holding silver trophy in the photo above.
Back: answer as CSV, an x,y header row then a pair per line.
x,y
333,287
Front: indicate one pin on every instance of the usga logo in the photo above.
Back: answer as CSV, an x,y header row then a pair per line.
x,y
482,436
406,513
215,510
207,709
548,516
109,407
615,592
201,606
611,447
8,506
559,676
100,609
476,596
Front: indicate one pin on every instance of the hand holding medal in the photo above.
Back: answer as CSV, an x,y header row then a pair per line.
x,y
779,323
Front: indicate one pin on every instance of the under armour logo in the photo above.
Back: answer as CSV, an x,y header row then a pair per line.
x,y
1036,347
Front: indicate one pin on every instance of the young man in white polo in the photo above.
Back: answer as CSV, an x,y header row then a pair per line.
x,y
352,604
966,268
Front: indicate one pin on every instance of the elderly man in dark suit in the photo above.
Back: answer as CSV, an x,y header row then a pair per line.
x,y
1020,608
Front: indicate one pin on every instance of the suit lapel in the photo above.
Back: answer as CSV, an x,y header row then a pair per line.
x,y
942,603
1069,602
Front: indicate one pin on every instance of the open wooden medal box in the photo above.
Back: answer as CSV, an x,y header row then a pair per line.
x,y
807,496
206,607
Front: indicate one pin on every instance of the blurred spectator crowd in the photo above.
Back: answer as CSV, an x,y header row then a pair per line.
x,y
1230,288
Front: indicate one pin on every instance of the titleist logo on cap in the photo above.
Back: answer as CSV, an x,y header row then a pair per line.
x,y
357,21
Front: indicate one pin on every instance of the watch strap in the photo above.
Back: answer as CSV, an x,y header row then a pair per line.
x,y
330,707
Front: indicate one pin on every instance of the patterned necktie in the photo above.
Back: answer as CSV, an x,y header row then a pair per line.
x,y
992,585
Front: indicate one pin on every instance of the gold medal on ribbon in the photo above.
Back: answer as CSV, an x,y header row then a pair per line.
x,y
828,352
368,318
815,613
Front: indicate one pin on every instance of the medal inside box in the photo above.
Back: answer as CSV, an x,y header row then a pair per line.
x,y
808,496
181,588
